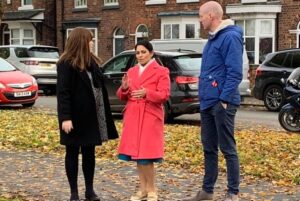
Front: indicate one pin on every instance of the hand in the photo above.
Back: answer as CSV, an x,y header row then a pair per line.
x,y
67,126
224,105
140,93
125,82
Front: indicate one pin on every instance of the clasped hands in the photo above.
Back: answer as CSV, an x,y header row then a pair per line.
x,y
139,93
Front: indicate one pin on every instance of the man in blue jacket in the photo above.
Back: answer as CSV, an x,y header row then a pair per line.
x,y
221,74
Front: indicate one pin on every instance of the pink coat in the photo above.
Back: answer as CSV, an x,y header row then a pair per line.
x,y
143,119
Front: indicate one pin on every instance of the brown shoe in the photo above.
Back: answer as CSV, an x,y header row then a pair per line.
x,y
202,195
139,196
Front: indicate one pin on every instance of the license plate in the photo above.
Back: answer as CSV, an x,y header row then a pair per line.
x,y
22,94
45,65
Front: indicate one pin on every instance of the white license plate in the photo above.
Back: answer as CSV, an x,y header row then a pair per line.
x,y
46,65
22,94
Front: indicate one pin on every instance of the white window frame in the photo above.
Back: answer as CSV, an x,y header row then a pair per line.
x,y
25,6
182,21
141,34
114,41
81,3
257,36
155,2
298,35
95,38
186,1
28,38
21,35
109,3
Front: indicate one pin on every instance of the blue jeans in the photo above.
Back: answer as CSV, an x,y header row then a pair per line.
x,y
217,130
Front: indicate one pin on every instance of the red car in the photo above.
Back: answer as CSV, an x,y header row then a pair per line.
x,y
16,87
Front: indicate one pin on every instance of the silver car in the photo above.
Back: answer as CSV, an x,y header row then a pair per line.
x,y
36,60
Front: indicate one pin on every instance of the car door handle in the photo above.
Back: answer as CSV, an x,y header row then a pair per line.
x,y
117,81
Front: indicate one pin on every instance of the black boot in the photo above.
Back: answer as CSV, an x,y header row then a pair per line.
x,y
74,197
91,196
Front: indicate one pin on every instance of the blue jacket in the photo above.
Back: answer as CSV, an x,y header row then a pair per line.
x,y
222,68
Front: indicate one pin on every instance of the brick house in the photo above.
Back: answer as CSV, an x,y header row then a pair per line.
x,y
269,25
28,22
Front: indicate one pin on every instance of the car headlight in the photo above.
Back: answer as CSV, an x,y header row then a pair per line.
x,y
34,82
2,86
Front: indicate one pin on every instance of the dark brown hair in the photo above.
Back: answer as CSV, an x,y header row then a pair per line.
x,y
77,50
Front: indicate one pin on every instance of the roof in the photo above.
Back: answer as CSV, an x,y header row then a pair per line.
x,y
168,52
22,15
27,46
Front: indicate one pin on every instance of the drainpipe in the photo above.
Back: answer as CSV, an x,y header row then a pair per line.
x,y
62,19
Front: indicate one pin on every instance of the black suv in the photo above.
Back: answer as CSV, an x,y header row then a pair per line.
x,y
268,84
184,69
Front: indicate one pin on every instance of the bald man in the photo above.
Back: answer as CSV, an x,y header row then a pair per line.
x,y
221,74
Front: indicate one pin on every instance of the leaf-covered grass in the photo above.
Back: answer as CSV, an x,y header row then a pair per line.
x,y
9,199
264,153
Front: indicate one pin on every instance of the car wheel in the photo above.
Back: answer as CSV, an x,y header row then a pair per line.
x,y
28,104
168,114
273,97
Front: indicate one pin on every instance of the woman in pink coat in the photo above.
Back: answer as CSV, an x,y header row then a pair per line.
x,y
145,87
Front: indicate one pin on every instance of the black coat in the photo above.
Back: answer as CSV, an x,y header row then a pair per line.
x,y
76,102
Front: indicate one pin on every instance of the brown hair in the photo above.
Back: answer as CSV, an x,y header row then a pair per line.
x,y
77,50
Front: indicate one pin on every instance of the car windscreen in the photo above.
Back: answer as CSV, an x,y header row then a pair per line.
x,y
5,66
189,62
43,52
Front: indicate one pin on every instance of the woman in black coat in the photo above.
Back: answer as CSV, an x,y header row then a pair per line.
x,y
84,114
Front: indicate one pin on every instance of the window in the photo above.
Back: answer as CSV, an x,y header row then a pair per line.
x,y
119,41
141,33
190,31
277,60
21,52
296,59
259,38
25,5
80,3
26,2
15,37
153,2
180,27
95,38
171,31
28,37
118,64
111,2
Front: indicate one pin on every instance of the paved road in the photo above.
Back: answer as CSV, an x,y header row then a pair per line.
x,y
251,114
41,177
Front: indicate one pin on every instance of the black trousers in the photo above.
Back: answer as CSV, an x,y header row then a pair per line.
x,y
88,166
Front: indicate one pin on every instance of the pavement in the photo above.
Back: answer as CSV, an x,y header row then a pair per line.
x,y
41,177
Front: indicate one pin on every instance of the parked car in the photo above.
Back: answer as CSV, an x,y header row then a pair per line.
x,y
268,85
184,70
184,66
16,87
36,60
197,45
